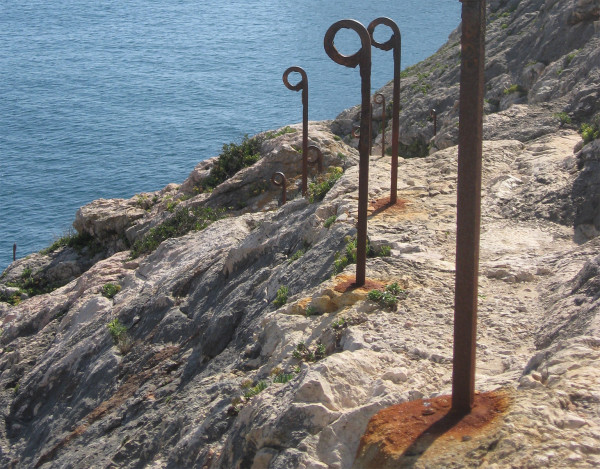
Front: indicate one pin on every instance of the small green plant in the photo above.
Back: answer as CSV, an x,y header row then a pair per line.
x,y
116,329
514,89
590,131
339,324
297,369
283,378
321,185
311,311
285,130
341,155
253,391
171,205
389,297
385,299
384,251
26,273
304,353
109,290
337,138
282,296
297,255
340,261
120,336
320,352
395,289
330,221
570,58
563,117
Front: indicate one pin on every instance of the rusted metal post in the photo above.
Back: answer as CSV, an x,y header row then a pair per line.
x,y
433,115
301,85
395,43
14,252
281,183
380,99
469,203
362,58
318,157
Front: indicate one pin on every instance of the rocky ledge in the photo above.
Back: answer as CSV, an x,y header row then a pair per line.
x,y
237,342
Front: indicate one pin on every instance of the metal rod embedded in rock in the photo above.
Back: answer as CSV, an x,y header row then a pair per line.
x,y
395,43
301,85
361,58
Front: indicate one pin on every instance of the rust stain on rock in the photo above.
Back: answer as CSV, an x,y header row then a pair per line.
x,y
420,429
346,283
384,204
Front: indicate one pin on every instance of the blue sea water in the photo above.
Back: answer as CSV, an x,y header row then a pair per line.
x,y
106,98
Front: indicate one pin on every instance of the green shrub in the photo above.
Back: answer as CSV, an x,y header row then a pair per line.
x,y
330,221
389,297
302,352
182,222
282,296
590,131
321,185
563,117
232,159
109,290
116,329
120,336
311,311
76,241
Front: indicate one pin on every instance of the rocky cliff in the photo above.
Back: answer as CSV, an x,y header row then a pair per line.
x,y
206,325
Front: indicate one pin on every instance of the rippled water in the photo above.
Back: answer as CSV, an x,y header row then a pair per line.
x,y
110,98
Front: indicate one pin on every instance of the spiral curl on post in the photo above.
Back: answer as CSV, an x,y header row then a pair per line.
x,y
281,183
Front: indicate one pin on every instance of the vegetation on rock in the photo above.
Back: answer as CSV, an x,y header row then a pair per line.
x,y
182,222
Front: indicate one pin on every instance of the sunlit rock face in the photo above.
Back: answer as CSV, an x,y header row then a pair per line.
x,y
242,344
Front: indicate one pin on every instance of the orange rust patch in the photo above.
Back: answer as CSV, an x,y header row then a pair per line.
x,y
347,283
383,204
411,428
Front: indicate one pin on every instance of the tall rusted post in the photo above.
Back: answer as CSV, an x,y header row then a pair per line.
x,y
301,85
395,43
14,252
380,99
469,203
362,58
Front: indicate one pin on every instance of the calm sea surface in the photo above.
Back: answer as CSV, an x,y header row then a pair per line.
x,y
106,98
